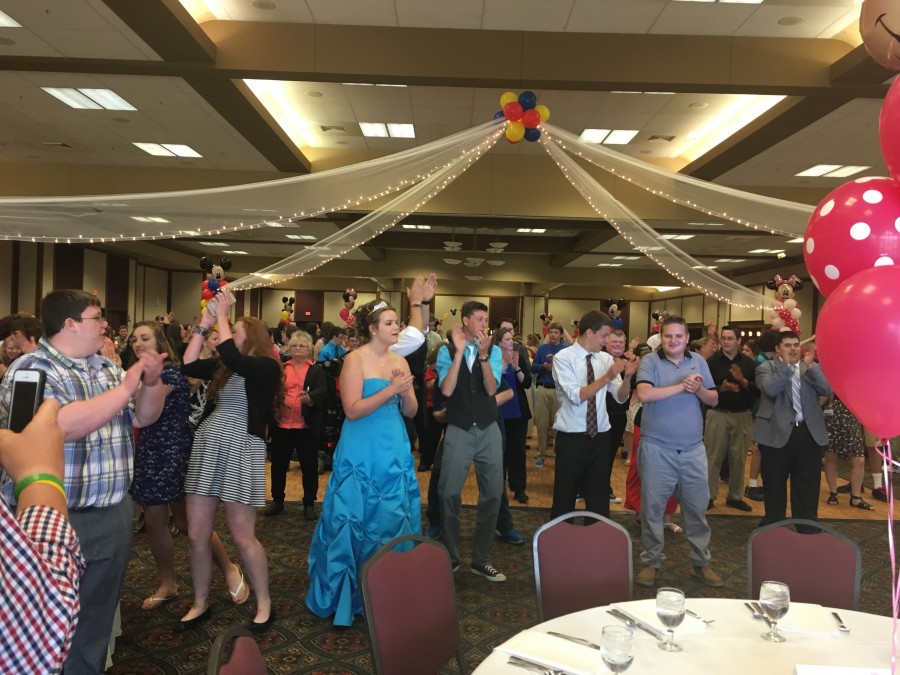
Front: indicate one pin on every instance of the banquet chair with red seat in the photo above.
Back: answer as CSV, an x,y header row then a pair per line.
x,y
410,602
822,567
578,567
235,652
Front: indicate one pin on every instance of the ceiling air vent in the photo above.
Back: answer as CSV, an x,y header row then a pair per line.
x,y
333,129
57,144
655,138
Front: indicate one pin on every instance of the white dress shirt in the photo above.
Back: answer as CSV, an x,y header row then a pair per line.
x,y
570,375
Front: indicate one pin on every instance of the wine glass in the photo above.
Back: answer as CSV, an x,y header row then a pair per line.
x,y
670,610
617,648
774,599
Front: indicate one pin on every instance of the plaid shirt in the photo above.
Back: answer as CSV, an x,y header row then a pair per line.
x,y
99,465
40,570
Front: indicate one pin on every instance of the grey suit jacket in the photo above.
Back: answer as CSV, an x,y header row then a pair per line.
x,y
775,419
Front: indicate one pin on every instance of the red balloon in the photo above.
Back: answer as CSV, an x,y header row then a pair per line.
x,y
870,299
223,283
207,294
531,118
513,111
889,129
856,227
205,285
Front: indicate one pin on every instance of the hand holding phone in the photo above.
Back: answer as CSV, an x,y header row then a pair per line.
x,y
27,394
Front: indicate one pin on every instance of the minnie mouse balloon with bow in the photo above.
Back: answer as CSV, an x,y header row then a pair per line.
x,y
879,27
785,314
346,312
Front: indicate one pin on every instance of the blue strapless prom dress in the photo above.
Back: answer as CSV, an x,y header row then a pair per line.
x,y
372,497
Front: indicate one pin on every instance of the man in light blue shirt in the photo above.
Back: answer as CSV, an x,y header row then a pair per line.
x,y
468,375
583,452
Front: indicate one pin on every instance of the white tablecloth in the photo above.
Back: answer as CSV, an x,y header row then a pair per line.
x,y
732,645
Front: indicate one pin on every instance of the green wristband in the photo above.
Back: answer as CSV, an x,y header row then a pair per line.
x,y
34,478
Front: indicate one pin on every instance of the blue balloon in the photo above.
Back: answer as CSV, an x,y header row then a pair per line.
x,y
213,285
532,134
527,99
498,115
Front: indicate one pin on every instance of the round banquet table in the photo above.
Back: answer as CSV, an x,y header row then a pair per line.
x,y
731,645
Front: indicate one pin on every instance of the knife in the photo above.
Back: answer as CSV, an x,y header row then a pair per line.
x,y
760,611
576,640
621,614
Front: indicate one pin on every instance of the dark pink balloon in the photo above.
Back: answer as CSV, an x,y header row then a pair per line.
x,y
856,227
862,378
889,129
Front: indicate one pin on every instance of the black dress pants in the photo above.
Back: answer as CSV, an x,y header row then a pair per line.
x,y
800,460
582,462
284,442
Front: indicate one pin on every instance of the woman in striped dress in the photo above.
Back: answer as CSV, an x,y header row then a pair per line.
x,y
228,458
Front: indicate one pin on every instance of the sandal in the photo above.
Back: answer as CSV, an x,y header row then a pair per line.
x,y
673,528
832,499
154,602
242,593
860,503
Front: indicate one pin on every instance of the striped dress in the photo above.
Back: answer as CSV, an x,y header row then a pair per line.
x,y
226,461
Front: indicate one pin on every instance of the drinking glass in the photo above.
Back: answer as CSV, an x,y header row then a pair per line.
x,y
617,648
774,599
670,610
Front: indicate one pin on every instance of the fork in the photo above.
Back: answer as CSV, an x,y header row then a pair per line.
x,y
841,625
533,666
757,613
698,617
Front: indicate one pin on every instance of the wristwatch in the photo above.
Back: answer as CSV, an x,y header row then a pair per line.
x,y
416,304
483,359
200,330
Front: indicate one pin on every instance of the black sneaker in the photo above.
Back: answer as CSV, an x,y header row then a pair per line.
x,y
738,504
487,571
757,494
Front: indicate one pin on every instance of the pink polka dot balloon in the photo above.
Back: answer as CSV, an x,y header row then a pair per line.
x,y
856,227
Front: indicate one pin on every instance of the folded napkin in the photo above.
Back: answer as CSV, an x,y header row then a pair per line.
x,y
554,652
807,619
645,610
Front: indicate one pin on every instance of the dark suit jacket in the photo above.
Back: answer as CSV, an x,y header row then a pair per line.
x,y
775,418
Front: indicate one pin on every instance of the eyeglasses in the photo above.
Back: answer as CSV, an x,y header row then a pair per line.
x,y
299,346
100,318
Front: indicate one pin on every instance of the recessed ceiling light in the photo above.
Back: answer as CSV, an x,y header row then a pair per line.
x,y
594,135
236,252
819,170
626,257
452,261
6,21
373,129
523,230
680,237
790,20
797,240
496,263
167,150
699,105
760,250
660,93
263,4
314,94
609,264
663,289
212,243
109,99
620,137
301,237
397,130
538,230
89,99
180,150
149,219
781,255
648,248
848,170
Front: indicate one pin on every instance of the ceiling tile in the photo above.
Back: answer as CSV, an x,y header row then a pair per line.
x,y
350,12
614,16
701,18
816,18
430,14
533,15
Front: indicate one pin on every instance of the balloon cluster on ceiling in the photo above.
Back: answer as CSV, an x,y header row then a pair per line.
x,y
852,251
523,114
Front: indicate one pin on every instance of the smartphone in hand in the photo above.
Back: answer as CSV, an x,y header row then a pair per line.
x,y
27,395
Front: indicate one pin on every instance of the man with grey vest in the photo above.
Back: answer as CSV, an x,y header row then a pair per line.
x,y
468,376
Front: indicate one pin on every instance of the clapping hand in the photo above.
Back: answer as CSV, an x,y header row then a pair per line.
x,y
458,338
401,382
483,342
691,383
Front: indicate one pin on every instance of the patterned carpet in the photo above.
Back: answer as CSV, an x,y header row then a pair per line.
x,y
489,613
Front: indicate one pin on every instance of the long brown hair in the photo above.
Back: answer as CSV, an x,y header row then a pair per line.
x,y
162,340
257,343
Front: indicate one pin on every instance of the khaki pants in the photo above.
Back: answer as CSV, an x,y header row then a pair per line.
x,y
726,435
545,407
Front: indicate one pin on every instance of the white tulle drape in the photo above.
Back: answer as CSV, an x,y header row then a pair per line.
x,y
745,208
645,239
191,213
370,225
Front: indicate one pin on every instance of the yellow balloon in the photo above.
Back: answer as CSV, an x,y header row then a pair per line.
x,y
515,132
203,304
508,97
543,111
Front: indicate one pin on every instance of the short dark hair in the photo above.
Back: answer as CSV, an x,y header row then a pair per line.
x,y
57,306
593,321
472,306
734,329
768,341
511,322
669,320
28,325
786,335
336,331
556,325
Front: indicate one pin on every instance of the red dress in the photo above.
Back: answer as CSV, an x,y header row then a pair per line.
x,y
633,481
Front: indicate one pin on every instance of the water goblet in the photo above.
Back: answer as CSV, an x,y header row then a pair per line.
x,y
617,648
774,599
670,610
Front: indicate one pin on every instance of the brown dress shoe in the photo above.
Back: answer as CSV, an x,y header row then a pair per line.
x,y
707,576
646,577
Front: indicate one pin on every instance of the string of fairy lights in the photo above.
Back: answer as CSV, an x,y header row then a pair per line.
x,y
681,266
371,225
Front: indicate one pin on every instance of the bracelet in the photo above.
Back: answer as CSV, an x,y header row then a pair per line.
x,y
416,304
201,331
46,478
484,359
